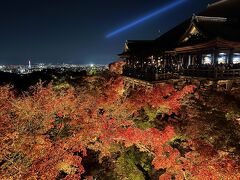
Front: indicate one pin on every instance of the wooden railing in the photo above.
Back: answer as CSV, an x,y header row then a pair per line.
x,y
212,73
230,73
209,73
166,76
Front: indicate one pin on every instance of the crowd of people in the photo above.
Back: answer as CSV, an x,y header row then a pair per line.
x,y
152,70
220,66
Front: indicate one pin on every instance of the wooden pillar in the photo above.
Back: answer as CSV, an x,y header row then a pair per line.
x,y
199,58
230,56
215,57
164,61
189,60
141,59
181,60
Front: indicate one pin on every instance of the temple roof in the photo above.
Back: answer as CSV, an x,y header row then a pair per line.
x,y
224,8
223,29
219,20
138,46
205,28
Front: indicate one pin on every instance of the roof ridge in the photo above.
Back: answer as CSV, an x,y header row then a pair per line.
x,y
217,3
209,18
132,40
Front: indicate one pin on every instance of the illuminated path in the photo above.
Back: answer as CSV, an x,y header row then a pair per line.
x,y
142,19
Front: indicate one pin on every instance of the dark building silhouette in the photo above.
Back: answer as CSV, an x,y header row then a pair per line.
x,y
205,45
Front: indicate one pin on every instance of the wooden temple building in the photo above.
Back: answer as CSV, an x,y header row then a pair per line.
x,y
205,45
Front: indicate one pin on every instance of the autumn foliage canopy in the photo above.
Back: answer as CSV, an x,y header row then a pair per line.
x,y
47,132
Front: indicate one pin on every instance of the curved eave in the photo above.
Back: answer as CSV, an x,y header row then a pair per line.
x,y
216,43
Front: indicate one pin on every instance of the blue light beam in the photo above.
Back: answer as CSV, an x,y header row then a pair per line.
x,y
142,19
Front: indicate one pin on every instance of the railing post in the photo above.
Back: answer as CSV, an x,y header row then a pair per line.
x,y
216,73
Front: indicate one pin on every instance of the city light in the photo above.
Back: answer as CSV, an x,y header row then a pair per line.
x,y
24,69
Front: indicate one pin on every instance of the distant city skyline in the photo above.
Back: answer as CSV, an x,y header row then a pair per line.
x,y
74,31
26,63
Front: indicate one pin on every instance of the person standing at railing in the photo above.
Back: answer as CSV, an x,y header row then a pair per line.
x,y
222,69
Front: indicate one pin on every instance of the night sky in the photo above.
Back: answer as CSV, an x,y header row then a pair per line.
x,y
74,31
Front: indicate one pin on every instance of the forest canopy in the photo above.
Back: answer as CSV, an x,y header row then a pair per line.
x,y
103,129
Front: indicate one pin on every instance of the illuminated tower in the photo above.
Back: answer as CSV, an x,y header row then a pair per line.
x,y
29,64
